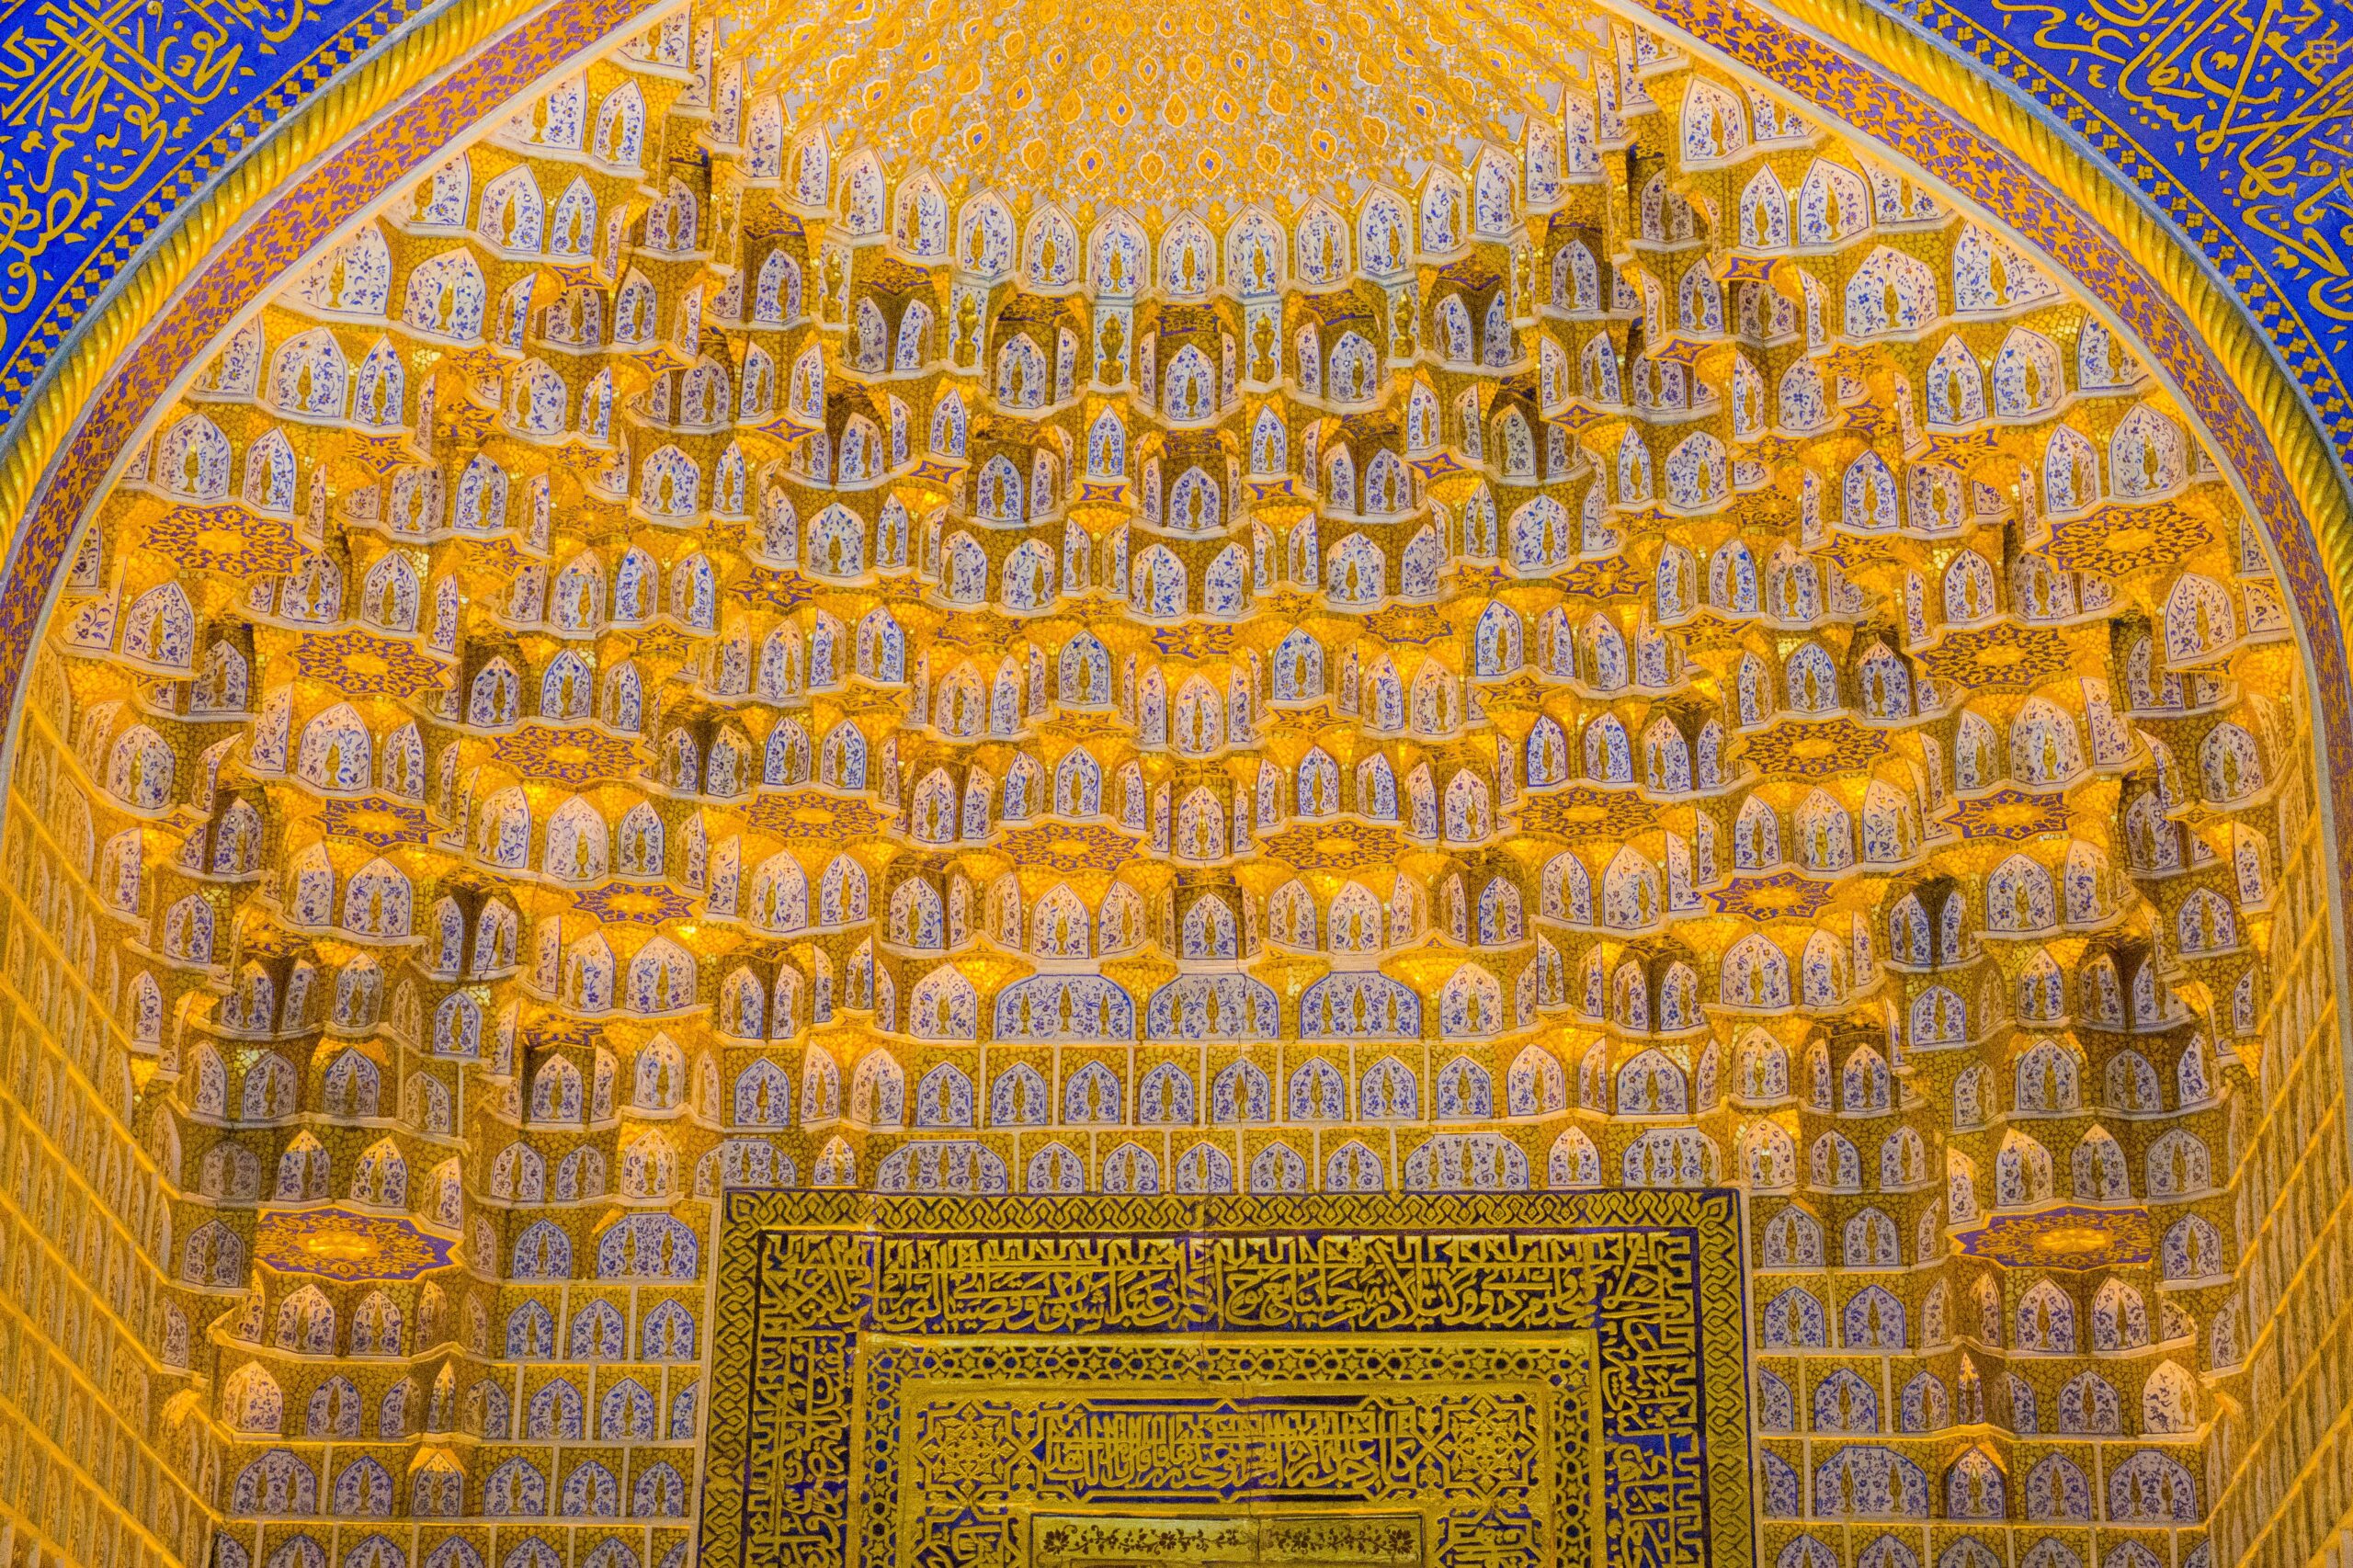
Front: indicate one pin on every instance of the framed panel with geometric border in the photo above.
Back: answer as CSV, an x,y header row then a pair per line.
x,y
1334,1383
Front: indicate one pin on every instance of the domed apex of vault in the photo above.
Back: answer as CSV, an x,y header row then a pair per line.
x,y
1161,106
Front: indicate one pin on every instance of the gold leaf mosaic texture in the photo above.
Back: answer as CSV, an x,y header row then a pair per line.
x,y
692,653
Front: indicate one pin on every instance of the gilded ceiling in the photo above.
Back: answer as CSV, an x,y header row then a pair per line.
x,y
1320,601
1165,106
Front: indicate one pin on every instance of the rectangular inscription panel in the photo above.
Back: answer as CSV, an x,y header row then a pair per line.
x,y
1520,1380
1227,1541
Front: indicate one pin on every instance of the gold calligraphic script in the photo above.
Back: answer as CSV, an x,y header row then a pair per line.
x,y
1358,1381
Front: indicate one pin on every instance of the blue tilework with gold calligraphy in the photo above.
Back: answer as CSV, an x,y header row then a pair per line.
x,y
2232,117
113,112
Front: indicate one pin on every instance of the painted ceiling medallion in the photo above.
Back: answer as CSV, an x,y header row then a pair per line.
x,y
1581,812
567,756
1071,846
225,538
1784,895
376,821
2071,1236
814,816
344,1244
360,665
635,904
2010,814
